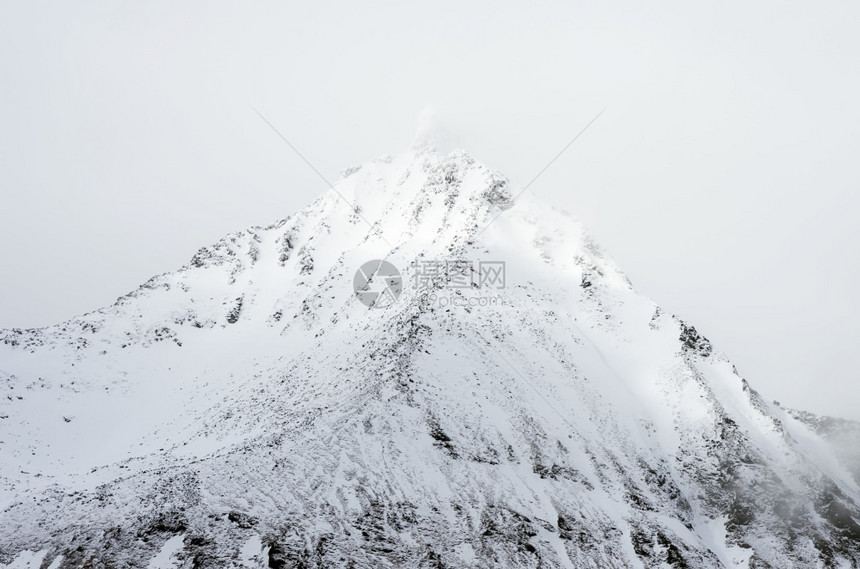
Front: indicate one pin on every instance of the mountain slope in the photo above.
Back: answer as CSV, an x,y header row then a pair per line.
x,y
248,410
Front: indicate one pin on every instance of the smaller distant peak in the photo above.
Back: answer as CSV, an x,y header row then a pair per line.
x,y
432,133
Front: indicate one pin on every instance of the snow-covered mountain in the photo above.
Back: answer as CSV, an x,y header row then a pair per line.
x,y
249,410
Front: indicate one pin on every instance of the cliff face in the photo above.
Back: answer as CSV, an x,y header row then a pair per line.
x,y
512,402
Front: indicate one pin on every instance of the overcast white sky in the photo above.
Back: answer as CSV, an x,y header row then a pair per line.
x,y
723,176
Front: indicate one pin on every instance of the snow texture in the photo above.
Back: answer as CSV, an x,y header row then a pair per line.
x,y
246,410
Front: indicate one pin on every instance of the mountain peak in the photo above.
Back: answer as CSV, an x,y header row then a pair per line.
x,y
513,402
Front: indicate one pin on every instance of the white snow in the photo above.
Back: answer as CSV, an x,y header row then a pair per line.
x,y
27,560
165,559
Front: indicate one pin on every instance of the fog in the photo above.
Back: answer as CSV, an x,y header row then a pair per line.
x,y
722,176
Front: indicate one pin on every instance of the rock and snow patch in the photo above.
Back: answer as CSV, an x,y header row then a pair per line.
x,y
246,410
166,557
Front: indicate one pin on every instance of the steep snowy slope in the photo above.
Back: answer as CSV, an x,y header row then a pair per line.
x,y
249,410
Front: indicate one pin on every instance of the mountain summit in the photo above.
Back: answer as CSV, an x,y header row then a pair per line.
x,y
400,381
